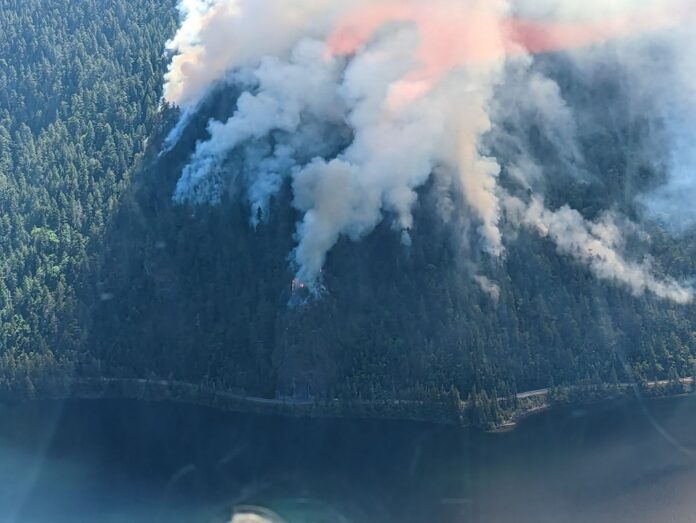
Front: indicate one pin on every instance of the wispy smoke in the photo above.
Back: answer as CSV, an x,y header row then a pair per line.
x,y
597,245
489,287
674,100
360,103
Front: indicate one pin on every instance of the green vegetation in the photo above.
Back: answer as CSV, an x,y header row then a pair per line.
x,y
79,91
104,276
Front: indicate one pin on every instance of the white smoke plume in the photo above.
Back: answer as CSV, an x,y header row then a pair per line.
x,y
597,245
408,115
359,103
290,97
218,35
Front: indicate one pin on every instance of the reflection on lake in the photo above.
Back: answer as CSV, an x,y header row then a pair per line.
x,y
122,461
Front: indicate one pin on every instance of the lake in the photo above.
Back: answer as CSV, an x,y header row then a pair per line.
x,y
123,461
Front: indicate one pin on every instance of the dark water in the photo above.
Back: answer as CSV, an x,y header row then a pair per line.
x,y
118,461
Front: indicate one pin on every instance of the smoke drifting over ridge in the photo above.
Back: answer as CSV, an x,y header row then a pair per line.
x,y
360,103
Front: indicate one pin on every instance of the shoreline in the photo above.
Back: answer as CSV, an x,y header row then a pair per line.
x,y
174,391
653,390
528,404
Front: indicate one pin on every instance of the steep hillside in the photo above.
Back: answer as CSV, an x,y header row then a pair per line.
x,y
104,274
79,93
202,294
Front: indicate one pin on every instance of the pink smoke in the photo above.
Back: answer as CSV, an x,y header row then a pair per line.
x,y
473,34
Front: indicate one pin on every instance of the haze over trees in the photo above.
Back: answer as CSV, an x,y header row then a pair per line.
x,y
103,275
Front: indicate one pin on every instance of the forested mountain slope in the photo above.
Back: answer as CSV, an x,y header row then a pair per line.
x,y
105,274
79,92
199,294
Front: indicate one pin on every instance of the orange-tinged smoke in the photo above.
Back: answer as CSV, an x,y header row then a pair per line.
x,y
450,36
539,37
473,34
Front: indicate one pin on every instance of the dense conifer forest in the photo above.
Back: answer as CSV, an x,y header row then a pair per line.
x,y
80,84
102,275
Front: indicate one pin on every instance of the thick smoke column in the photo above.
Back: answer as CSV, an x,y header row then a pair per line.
x,y
360,103
291,99
408,114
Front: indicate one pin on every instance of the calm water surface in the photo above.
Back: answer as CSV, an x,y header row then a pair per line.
x,y
121,461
